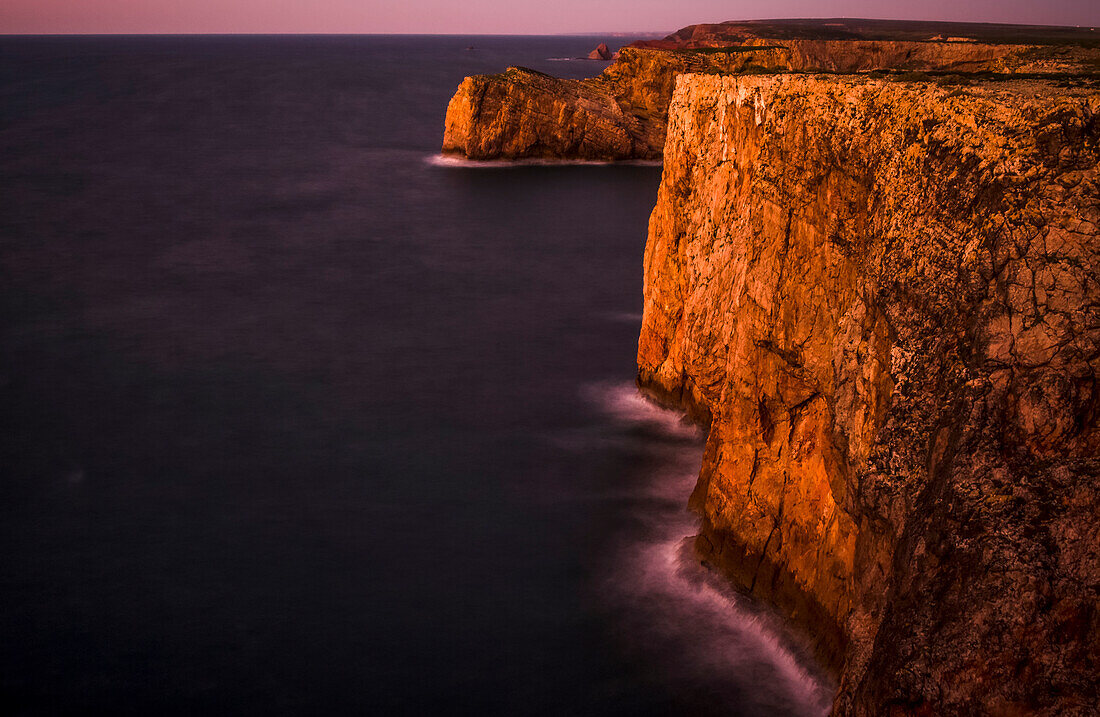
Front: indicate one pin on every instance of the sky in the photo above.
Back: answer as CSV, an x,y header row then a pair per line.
x,y
494,16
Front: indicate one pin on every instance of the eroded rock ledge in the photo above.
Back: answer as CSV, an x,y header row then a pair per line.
x,y
886,297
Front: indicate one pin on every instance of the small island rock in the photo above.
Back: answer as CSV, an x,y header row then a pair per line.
x,y
600,53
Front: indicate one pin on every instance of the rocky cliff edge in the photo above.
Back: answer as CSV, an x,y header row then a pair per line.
x,y
623,113
884,297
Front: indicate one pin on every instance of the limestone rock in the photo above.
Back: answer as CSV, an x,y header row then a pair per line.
x,y
622,114
884,297
619,115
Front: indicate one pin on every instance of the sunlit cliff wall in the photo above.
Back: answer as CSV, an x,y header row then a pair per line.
x,y
623,113
885,298
523,114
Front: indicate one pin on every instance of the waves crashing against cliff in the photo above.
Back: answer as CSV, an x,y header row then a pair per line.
x,y
886,298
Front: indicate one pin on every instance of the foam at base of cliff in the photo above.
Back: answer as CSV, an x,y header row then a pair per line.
x,y
726,647
456,161
887,295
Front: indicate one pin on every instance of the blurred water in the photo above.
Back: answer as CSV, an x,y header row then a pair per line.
x,y
298,421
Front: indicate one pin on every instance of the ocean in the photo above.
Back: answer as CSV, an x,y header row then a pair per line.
x,y
298,419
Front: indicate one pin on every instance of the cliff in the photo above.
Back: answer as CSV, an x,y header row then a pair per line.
x,y
623,113
884,298
619,115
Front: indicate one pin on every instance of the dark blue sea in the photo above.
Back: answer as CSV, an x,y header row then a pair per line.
x,y
296,420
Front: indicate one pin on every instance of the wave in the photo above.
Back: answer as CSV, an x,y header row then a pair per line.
x,y
674,604
627,406
443,160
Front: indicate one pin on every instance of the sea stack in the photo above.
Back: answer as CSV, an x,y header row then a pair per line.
x,y
600,53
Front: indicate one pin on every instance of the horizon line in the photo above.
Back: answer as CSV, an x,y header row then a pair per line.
x,y
573,33
336,34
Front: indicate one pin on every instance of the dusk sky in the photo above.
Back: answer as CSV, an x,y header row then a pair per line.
x,y
492,16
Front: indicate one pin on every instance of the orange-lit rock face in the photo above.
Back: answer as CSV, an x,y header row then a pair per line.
x,y
623,113
525,114
885,296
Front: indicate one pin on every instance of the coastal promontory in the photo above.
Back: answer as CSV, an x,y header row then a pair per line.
x,y
873,273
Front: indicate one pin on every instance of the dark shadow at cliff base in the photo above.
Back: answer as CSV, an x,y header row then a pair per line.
x,y
760,578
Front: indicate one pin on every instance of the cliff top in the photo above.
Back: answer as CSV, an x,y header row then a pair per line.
x,y
1016,92
736,32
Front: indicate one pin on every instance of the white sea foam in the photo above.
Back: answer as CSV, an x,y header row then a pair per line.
x,y
710,636
683,608
624,403
630,424
450,161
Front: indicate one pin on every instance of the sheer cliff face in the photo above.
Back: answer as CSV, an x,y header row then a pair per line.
x,y
885,297
523,114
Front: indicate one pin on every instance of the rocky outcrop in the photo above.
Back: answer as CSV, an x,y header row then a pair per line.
x,y
884,297
523,114
600,53
619,115
623,113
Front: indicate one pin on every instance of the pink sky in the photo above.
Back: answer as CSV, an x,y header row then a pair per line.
x,y
492,16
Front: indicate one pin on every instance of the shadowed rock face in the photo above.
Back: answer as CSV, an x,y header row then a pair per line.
x,y
885,298
600,53
623,113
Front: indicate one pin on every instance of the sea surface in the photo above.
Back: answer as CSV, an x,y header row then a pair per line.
x,y
297,419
